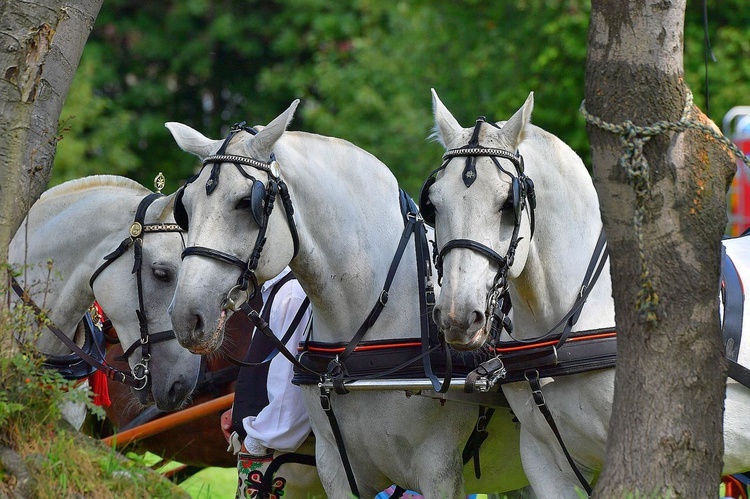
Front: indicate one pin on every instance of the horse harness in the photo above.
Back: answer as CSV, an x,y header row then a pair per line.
x,y
260,203
558,352
139,377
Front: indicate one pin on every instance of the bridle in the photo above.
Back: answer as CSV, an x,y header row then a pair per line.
x,y
139,377
520,197
260,202
136,232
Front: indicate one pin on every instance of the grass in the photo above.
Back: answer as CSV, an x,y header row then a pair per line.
x,y
211,483
41,456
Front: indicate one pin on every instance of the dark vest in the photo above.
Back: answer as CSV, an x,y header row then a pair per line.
x,y
251,394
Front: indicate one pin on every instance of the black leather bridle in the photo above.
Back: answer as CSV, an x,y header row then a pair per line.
x,y
520,197
139,377
260,203
136,231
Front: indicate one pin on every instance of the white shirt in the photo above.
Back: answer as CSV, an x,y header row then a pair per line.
x,y
284,424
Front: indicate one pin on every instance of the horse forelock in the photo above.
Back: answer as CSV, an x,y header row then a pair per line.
x,y
93,181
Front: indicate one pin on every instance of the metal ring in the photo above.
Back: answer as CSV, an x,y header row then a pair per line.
x,y
233,301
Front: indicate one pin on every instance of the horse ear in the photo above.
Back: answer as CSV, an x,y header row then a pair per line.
x,y
262,144
165,207
192,141
446,126
515,126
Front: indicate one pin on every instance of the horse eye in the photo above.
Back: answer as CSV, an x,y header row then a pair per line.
x,y
161,275
244,203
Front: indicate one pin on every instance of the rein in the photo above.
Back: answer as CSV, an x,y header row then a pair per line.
x,y
111,373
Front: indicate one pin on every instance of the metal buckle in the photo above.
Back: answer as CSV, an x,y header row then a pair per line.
x,y
325,393
383,299
482,424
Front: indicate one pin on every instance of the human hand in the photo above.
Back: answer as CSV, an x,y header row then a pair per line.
x,y
226,424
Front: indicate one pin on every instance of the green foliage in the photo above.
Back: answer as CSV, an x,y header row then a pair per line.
x,y
30,395
62,462
362,68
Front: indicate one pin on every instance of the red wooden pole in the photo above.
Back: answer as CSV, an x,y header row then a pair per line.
x,y
170,421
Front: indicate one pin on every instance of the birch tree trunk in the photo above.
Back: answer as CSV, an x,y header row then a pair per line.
x,y
41,42
665,435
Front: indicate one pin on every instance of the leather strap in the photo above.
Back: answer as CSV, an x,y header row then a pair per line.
x,y
110,372
536,390
325,402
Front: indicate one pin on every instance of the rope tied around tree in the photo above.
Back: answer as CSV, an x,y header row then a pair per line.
x,y
633,138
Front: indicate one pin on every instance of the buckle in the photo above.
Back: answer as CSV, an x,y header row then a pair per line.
x,y
383,299
481,424
538,397
325,395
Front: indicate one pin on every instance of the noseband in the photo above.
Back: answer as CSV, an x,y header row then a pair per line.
x,y
260,203
137,230
520,197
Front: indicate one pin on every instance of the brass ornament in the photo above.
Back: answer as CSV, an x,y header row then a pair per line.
x,y
136,229
159,182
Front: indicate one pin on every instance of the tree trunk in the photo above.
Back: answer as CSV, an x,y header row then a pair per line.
x,y
665,435
41,43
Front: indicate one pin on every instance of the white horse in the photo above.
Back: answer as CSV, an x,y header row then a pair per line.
x,y
73,226
544,278
349,223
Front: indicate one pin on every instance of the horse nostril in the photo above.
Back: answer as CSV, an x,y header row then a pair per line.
x,y
175,394
477,319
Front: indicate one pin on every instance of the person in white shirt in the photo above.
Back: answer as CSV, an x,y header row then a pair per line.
x,y
269,415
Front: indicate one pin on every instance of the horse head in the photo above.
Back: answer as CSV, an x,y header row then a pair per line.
x,y
135,293
481,202
229,207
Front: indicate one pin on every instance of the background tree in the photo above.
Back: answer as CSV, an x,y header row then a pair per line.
x,y
363,69
41,43
664,210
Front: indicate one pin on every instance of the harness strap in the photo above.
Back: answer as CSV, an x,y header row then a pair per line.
x,y
325,402
594,270
477,438
262,326
532,376
383,298
428,327
110,372
288,334
152,338
738,372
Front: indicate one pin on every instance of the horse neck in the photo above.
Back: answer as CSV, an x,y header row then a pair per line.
x,y
74,231
348,216
568,225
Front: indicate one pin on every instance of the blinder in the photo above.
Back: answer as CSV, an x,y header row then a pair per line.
x,y
257,206
180,214
521,188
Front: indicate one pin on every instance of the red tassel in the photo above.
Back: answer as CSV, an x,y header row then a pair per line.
x,y
98,384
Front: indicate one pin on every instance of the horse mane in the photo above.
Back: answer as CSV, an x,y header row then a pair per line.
x,y
93,181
